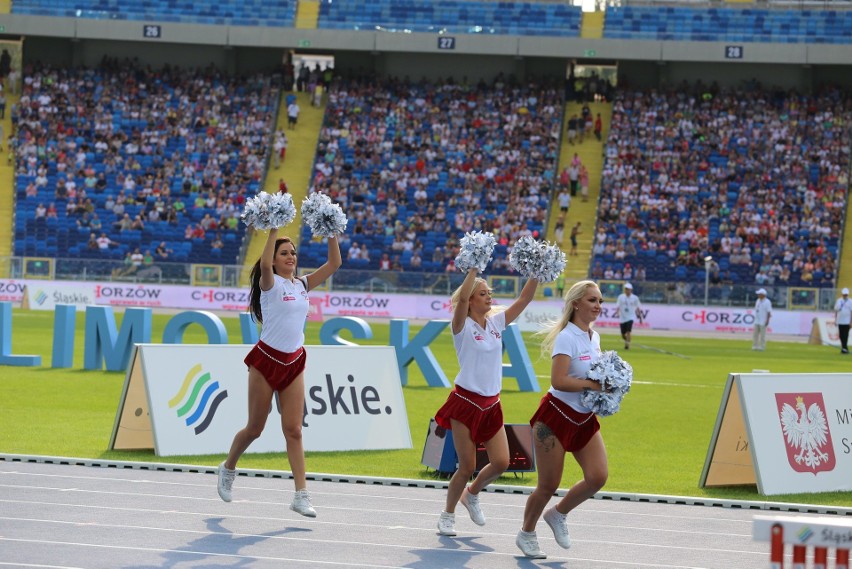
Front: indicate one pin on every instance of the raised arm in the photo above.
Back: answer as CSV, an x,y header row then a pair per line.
x,y
527,294
267,275
460,310
328,268
560,380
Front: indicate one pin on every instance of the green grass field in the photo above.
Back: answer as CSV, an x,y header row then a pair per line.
x,y
657,444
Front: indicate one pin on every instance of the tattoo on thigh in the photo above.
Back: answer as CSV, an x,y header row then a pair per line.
x,y
545,437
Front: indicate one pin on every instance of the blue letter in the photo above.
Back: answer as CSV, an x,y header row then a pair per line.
x,y
216,333
248,328
6,357
521,366
102,341
418,349
64,318
330,331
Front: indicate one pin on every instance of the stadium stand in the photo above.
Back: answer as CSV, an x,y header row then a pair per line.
x,y
277,13
460,16
688,172
745,24
122,158
753,177
416,165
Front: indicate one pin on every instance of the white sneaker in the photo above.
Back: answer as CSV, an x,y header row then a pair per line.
x,y
447,524
226,482
302,504
559,525
528,543
471,502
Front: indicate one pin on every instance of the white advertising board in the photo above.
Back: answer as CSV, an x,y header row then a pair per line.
x,y
192,399
798,429
827,333
811,531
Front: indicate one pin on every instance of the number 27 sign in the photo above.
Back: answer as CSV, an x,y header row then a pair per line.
x,y
446,42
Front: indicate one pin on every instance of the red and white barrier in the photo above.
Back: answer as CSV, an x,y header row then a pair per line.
x,y
820,534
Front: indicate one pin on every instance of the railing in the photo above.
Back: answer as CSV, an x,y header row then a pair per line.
x,y
411,282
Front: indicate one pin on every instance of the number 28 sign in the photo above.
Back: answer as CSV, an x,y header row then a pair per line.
x,y
733,52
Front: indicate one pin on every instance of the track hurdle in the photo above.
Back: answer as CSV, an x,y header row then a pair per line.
x,y
802,532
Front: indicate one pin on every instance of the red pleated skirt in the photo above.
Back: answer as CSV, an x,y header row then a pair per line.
x,y
572,429
280,369
482,415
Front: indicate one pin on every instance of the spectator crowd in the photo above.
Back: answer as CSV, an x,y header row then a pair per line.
x,y
754,178
417,164
138,155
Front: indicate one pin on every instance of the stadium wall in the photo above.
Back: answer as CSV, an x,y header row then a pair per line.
x,y
641,74
246,49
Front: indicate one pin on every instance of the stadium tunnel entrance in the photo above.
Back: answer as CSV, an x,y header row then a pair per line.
x,y
309,62
591,80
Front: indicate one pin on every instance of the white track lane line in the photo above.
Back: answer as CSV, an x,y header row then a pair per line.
x,y
3,563
628,544
642,521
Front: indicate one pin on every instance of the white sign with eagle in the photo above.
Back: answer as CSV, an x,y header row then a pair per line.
x,y
799,430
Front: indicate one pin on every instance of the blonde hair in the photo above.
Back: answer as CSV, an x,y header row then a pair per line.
x,y
456,297
574,294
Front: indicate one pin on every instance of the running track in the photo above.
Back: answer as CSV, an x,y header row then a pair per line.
x,y
80,513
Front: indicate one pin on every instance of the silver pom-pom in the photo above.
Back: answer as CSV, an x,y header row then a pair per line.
x,y
615,376
537,260
324,217
601,404
268,211
524,253
475,250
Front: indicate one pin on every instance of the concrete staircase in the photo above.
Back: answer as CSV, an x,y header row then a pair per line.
x,y
307,14
7,191
592,25
844,271
591,154
295,170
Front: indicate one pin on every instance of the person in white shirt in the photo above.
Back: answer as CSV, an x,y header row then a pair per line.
x,y
843,318
104,242
473,409
562,424
762,314
276,364
293,110
627,307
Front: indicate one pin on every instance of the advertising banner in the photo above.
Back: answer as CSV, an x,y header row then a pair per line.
x,y
676,317
44,295
192,399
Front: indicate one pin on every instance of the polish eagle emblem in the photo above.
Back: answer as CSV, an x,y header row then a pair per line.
x,y
806,431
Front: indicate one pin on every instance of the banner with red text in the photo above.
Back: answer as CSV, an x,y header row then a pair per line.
x,y
45,295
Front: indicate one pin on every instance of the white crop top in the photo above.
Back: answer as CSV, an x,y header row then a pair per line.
x,y
285,310
480,355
